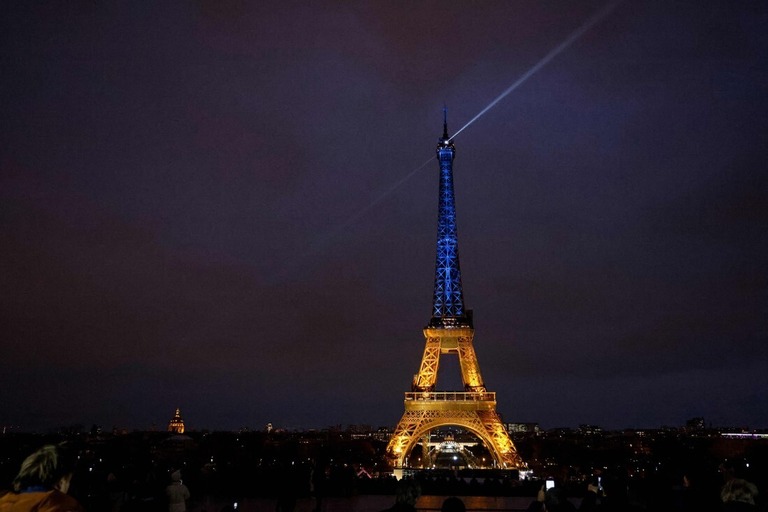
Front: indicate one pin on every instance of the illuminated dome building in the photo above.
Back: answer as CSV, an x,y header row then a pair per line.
x,y
176,425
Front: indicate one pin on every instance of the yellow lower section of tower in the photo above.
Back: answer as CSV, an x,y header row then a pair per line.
x,y
475,412
473,409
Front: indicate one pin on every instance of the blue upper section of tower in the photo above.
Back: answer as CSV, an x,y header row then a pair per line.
x,y
448,301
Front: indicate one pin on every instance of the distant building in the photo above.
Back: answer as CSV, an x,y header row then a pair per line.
x,y
360,431
176,425
560,432
744,435
590,430
383,434
523,428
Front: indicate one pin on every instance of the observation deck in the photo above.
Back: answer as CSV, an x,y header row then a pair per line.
x,y
450,400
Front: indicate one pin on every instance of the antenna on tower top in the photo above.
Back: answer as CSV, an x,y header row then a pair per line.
x,y
445,121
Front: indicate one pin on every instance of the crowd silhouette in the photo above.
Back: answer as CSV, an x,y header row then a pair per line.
x,y
135,481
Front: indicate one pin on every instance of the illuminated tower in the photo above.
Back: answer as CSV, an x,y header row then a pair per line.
x,y
450,331
176,425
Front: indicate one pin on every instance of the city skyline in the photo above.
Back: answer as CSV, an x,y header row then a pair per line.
x,y
220,208
176,425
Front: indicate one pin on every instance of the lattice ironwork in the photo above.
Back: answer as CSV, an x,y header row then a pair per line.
x,y
470,370
448,298
486,425
427,377
450,331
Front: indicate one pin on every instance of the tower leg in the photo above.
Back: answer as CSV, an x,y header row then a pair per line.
x,y
470,369
427,377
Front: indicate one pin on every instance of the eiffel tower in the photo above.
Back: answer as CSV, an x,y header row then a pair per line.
x,y
450,331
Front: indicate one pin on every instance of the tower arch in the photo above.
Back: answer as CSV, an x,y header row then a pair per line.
x,y
469,422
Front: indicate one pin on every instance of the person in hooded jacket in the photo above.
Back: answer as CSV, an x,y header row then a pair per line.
x,y
177,493
43,482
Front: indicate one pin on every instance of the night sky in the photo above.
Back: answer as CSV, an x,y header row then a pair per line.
x,y
216,206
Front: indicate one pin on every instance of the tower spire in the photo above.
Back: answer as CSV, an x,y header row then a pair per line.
x,y
445,121
448,299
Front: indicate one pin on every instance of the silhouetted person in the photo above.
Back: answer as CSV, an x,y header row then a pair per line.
x,y
696,492
177,493
537,505
408,491
42,483
453,504
287,491
591,500
737,493
615,496
115,492
556,501
317,484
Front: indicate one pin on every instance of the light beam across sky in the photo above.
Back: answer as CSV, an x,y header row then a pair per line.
x,y
574,36
557,50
